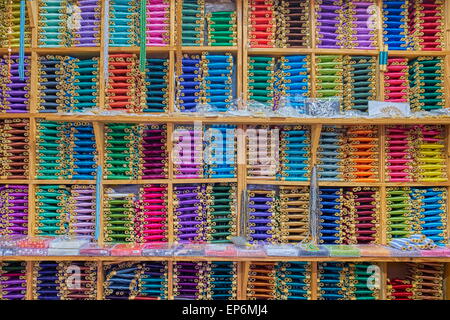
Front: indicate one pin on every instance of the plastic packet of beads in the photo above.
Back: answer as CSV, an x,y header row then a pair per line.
x,y
206,109
67,243
95,250
127,249
323,107
381,109
373,250
436,252
157,250
8,244
343,251
292,106
189,249
404,253
281,250
251,251
32,251
312,250
63,252
260,109
220,250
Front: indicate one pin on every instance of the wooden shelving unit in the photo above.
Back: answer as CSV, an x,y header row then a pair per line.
x,y
241,53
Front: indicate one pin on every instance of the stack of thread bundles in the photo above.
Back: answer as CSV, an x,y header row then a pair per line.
x,y
417,210
136,281
415,154
426,24
292,86
156,85
222,28
151,222
124,23
329,76
420,281
279,81
348,154
135,151
136,216
349,215
359,82
262,23
293,280
206,81
395,25
69,23
14,90
220,151
261,79
192,24
123,83
208,152
426,80
10,25
343,24
346,281
293,214
65,210
67,84
278,214
205,213
120,215
292,27
396,80
278,152
205,280
13,285
14,153
65,151
13,210
295,153
262,214
53,280
188,152
153,152
157,24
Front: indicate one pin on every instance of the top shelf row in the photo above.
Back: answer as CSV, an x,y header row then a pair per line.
x,y
415,25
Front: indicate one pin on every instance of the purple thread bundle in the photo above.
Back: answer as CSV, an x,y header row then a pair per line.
x,y
189,213
188,152
87,32
188,280
82,212
13,210
346,24
14,92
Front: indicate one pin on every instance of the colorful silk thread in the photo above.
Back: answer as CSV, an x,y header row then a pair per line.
x,y
14,153
205,213
13,210
67,84
13,285
136,281
65,210
81,27
65,151
417,210
71,280
14,90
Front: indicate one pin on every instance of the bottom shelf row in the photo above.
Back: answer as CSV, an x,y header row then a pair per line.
x,y
199,280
